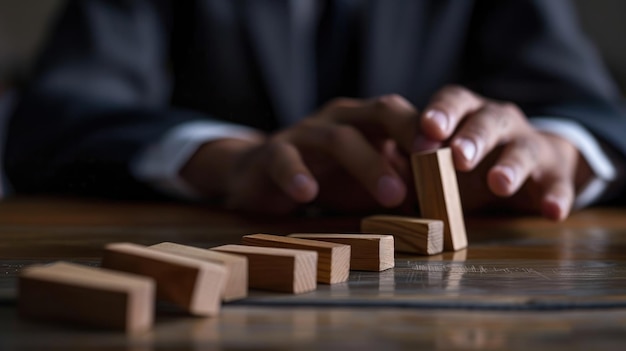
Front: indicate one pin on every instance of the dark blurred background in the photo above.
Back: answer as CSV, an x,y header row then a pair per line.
x,y
23,24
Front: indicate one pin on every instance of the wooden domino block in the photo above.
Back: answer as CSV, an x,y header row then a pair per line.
x,y
67,292
236,286
333,260
277,269
411,235
194,285
369,252
438,194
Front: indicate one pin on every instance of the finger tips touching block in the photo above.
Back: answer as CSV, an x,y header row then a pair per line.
x,y
423,143
464,153
447,109
436,124
486,128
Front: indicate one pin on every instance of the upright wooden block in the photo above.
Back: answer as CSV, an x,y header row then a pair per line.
x,y
236,286
411,235
98,297
369,252
276,269
194,285
438,194
333,260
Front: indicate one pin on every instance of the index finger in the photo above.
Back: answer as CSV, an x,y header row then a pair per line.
x,y
447,109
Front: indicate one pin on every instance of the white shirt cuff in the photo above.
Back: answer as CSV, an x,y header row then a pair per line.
x,y
160,163
604,170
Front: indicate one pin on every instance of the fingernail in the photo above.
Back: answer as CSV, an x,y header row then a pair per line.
x,y
504,180
439,118
422,143
302,186
390,190
301,181
555,207
467,147
507,174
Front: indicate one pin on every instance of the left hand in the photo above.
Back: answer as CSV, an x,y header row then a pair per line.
x,y
534,171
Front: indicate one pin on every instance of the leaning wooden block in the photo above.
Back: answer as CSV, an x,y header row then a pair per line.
x,y
333,260
236,286
369,252
92,296
411,235
194,285
276,269
438,194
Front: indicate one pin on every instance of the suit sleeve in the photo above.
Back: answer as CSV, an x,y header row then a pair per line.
x,y
532,52
99,95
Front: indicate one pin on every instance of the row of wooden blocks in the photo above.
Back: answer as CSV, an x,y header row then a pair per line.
x,y
122,293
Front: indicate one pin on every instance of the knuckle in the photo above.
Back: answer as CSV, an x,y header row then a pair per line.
x,y
476,131
391,101
497,117
511,108
391,104
528,147
455,90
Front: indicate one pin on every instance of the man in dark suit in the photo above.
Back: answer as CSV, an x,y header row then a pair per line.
x,y
207,99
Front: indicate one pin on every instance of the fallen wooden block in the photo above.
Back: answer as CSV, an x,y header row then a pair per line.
x,y
333,260
194,285
236,286
438,194
276,269
411,235
369,252
68,292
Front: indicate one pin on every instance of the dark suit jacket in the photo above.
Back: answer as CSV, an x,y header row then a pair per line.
x,y
118,74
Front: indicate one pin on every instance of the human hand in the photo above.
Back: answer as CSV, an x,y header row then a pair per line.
x,y
506,162
341,157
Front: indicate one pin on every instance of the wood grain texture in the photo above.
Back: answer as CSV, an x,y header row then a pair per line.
x,y
66,292
194,285
438,194
236,286
369,252
411,235
512,261
333,260
277,269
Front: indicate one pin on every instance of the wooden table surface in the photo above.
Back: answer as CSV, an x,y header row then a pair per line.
x,y
524,283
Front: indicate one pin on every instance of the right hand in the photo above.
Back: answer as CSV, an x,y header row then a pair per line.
x,y
345,157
